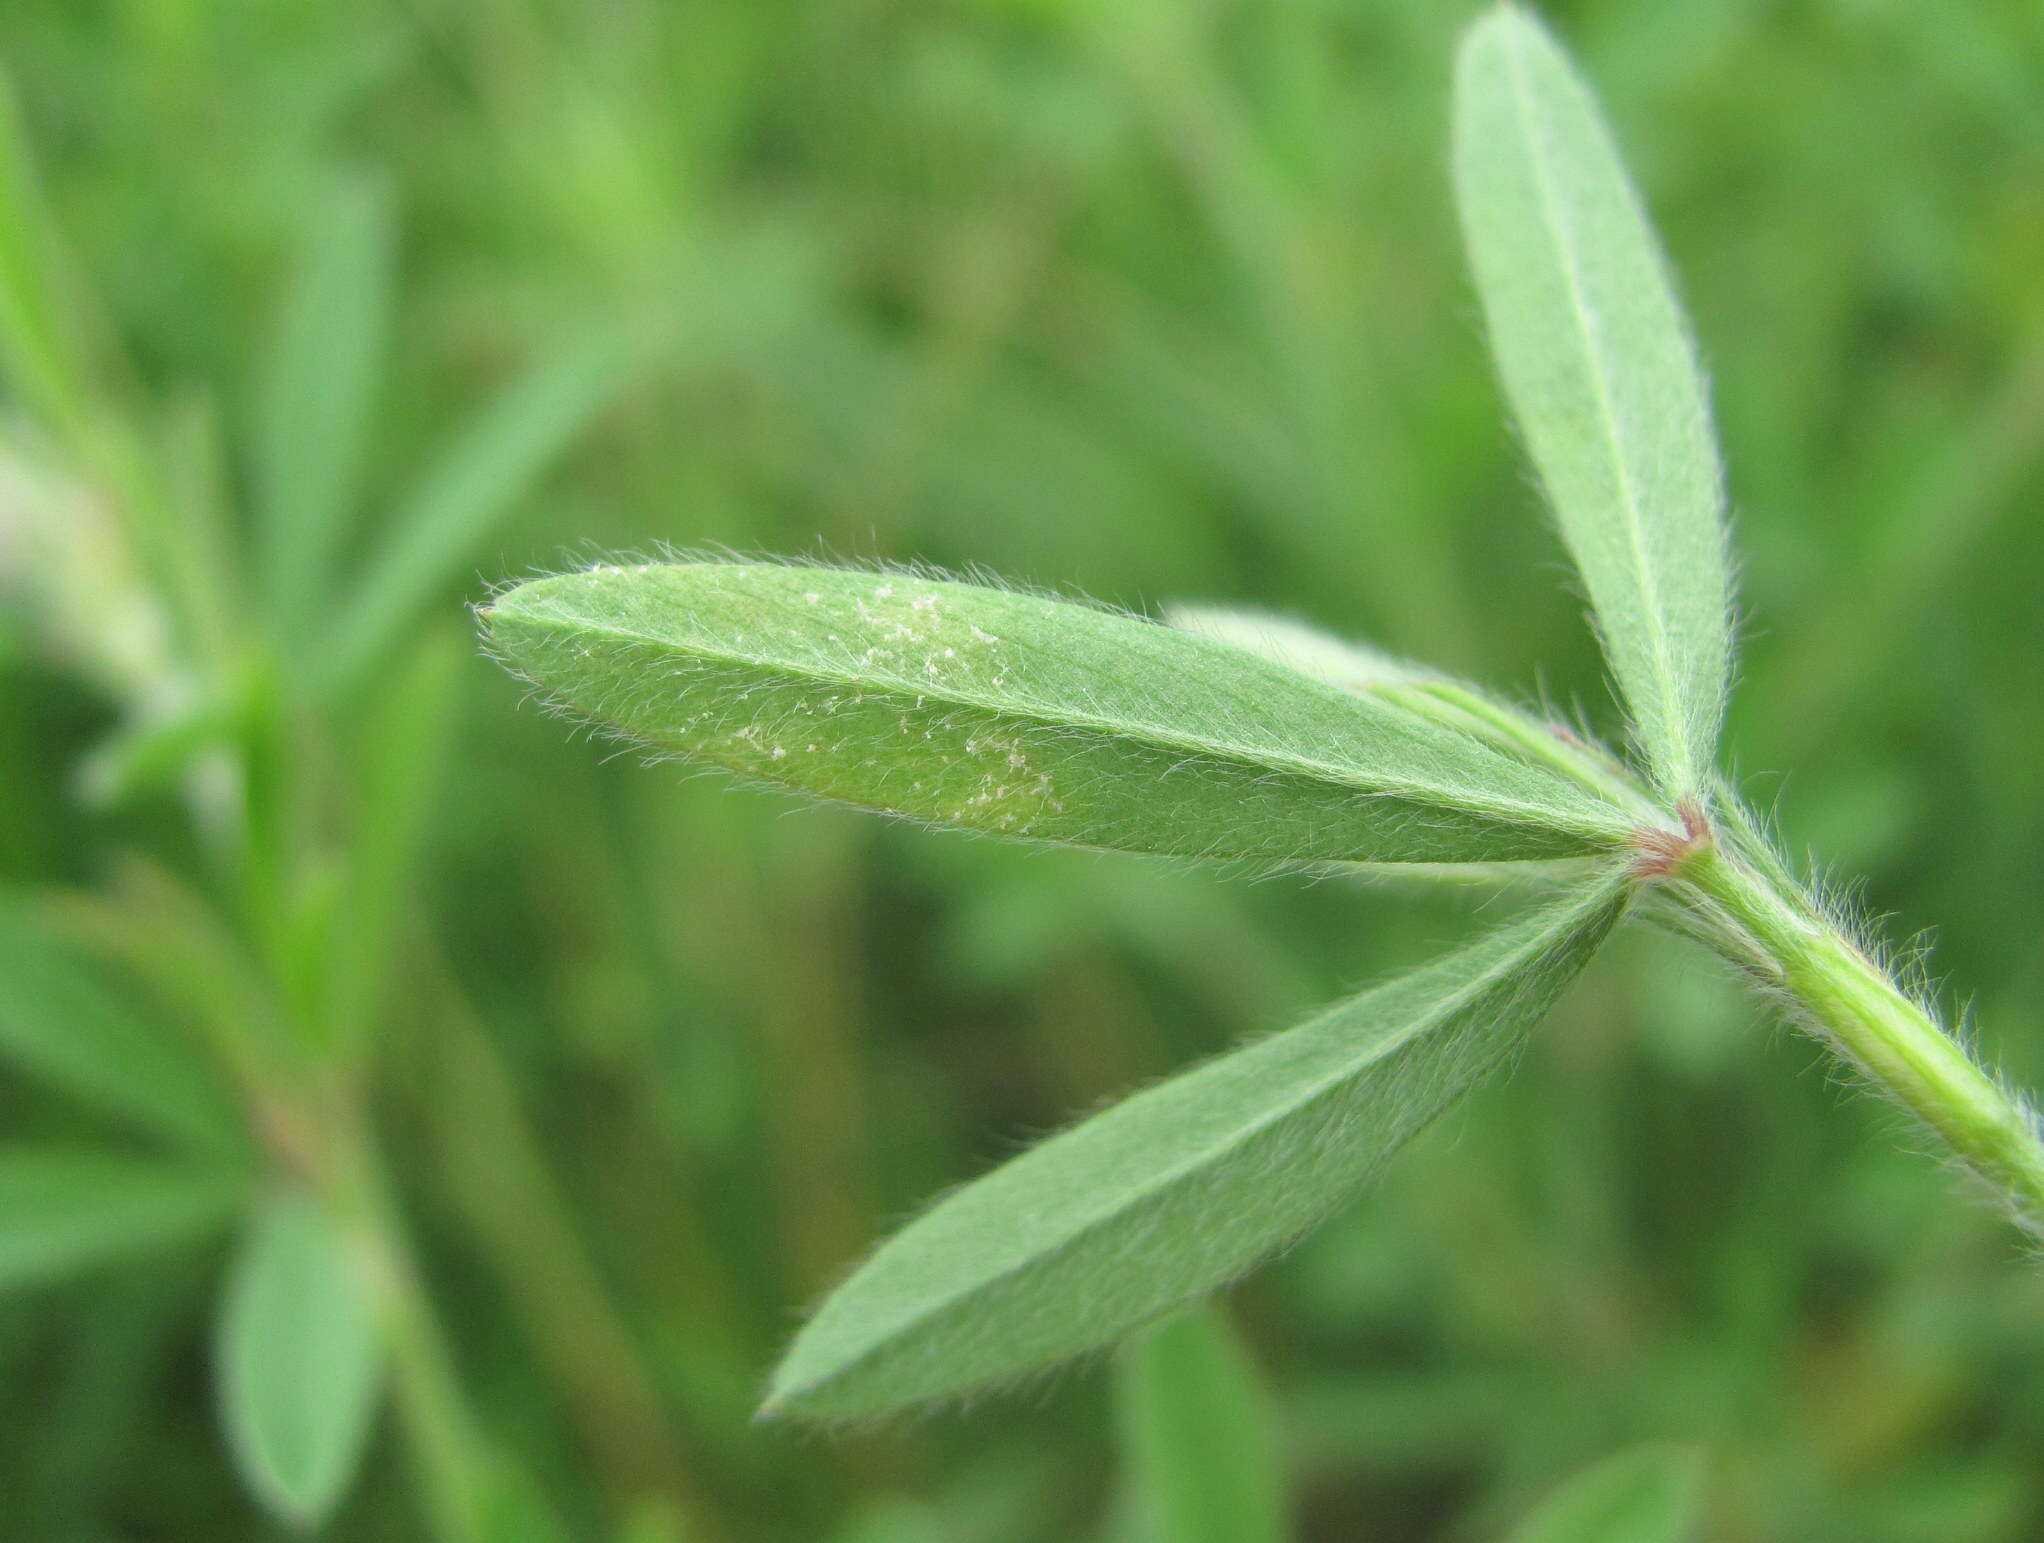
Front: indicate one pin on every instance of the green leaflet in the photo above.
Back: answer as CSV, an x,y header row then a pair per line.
x,y
44,350
1201,1436
60,1022
1020,716
400,765
1651,1494
1338,661
1179,1189
64,1210
1596,359
300,1359
317,396
1421,691
493,461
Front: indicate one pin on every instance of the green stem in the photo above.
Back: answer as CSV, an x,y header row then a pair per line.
x,y
1897,1044
446,1445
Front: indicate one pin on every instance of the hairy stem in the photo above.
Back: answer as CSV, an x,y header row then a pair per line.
x,y
1859,1009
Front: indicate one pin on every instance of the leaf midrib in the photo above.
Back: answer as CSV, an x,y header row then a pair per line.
x,y
1503,810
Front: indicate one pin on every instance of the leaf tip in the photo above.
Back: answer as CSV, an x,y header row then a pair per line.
x,y
793,1389
1502,29
782,1397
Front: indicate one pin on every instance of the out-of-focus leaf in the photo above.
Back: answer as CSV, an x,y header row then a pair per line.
x,y
1596,358
300,1360
653,1522
64,1210
123,1338
60,1022
477,482
316,396
1197,1429
894,1519
1019,716
515,1509
401,760
40,349
1652,1494
145,757
1179,1189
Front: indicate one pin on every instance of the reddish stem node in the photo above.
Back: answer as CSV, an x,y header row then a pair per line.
x,y
1657,854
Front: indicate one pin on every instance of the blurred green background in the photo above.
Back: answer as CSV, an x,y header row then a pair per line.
x,y
316,319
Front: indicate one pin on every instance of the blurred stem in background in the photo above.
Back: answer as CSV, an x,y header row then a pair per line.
x,y
1197,1428
310,798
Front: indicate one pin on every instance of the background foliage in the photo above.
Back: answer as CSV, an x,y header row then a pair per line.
x,y
316,318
